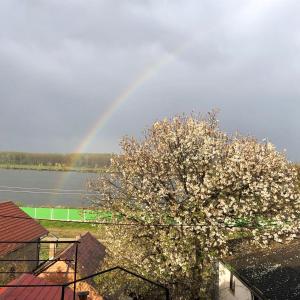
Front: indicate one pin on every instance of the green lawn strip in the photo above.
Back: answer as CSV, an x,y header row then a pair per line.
x,y
71,229
66,225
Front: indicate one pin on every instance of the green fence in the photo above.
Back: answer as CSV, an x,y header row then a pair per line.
x,y
65,214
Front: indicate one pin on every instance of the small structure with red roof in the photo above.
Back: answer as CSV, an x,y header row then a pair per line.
x,y
16,226
28,286
90,257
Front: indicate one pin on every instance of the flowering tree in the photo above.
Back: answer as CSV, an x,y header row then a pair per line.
x,y
297,166
184,186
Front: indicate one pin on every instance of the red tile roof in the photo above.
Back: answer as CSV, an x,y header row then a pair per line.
x,y
91,254
34,293
16,225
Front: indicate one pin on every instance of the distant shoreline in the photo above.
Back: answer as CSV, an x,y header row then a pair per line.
x,y
52,168
65,162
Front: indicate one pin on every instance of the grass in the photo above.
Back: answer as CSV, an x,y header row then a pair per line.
x,y
67,230
70,229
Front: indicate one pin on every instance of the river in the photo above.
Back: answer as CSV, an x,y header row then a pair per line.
x,y
45,188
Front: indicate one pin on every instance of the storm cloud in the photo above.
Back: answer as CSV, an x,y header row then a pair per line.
x,y
62,63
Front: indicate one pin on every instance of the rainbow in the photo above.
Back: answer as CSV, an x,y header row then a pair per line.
x,y
145,75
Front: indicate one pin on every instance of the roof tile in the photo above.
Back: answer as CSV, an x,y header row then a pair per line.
x,y
16,225
34,293
91,254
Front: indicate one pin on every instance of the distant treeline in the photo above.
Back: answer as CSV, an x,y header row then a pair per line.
x,y
73,160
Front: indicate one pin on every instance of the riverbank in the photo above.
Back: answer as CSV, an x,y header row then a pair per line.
x,y
52,168
75,162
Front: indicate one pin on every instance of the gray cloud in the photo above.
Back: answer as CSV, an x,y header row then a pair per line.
x,y
63,62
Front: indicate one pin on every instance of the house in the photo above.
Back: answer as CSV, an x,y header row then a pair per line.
x,y
266,274
90,258
34,293
16,225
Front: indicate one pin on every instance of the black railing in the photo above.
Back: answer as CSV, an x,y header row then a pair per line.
x,y
75,242
63,286
164,288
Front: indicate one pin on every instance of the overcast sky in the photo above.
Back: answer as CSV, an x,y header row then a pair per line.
x,y
62,63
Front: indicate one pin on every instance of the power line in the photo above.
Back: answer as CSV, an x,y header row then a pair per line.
x,y
45,192
41,189
107,223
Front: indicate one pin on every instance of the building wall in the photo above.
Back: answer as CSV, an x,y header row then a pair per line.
x,y
241,292
28,251
61,266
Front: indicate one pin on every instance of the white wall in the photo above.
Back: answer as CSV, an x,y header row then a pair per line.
x,y
241,292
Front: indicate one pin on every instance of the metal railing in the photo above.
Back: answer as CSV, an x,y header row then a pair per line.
x,y
63,286
75,242
159,285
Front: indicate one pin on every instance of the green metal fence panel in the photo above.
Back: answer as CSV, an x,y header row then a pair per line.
x,y
29,211
89,215
75,214
64,214
60,214
43,213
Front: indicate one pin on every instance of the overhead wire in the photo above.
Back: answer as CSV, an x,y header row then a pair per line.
x,y
44,192
107,223
32,190
41,189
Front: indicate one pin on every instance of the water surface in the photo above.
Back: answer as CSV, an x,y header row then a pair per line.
x,y
45,188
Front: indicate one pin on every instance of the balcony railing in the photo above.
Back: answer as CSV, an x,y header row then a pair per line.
x,y
63,286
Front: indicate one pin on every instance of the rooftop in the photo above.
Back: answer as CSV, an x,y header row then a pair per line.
x,y
91,254
16,225
274,272
34,293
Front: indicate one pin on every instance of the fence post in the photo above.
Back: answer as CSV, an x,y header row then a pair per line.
x,y
68,214
35,212
63,292
167,294
75,270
